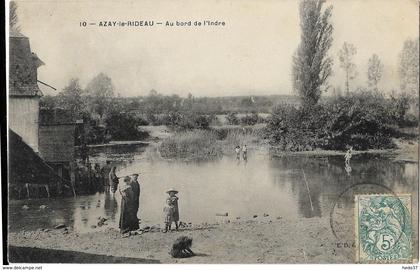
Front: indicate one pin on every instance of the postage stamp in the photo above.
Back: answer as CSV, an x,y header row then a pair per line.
x,y
383,228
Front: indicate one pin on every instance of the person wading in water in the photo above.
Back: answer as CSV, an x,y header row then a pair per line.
x,y
244,152
238,152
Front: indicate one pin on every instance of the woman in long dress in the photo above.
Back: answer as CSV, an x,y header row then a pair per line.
x,y
126,223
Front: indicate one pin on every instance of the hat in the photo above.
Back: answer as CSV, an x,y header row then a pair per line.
x,y
172,190
135,174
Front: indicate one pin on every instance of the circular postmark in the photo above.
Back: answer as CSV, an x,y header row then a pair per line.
x,y
343,219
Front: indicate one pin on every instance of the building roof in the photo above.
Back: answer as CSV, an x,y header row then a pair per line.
x,y
23,65
25,166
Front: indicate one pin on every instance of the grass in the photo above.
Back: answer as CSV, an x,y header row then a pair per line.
x,y
231,136
210,144
191,145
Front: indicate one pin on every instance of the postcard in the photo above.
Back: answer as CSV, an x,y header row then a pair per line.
x,y
213,132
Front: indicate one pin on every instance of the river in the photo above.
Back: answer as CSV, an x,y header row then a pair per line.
x,y
295,187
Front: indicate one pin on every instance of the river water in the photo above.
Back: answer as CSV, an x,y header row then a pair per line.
x,y
294,187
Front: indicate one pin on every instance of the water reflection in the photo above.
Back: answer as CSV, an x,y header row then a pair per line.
x,y
291,187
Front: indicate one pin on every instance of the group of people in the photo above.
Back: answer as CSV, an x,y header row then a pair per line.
x,y
244,152
129,190
88,178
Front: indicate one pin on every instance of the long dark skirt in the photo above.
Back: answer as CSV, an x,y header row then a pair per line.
x,y
128,216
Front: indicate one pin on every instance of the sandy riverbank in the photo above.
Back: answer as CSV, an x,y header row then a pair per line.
x,y
260,240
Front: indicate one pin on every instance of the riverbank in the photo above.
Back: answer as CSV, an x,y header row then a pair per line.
x,y
406,151
259,240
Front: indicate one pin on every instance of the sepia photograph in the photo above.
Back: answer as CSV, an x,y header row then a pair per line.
x,y
212,132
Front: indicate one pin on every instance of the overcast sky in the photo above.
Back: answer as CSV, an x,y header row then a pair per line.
x,y
251,54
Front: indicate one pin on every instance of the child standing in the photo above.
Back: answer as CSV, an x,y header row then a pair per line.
x,y
171,210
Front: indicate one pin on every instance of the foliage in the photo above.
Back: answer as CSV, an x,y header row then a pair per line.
x,y
232,118
360,120
194,145
100,90
123,126
375,70
48,102
13,17
181,120
311,65
95,135
409,67
155,104
251,119
346,57
233,137
70,99
398,110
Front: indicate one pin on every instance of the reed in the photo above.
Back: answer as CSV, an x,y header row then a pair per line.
x,y
191,145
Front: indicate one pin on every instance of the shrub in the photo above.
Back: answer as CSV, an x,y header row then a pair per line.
x,y
124,126
182,121
360,120
250,119
399,110
232,118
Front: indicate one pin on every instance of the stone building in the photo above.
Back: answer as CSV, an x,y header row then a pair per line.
x,y
24,93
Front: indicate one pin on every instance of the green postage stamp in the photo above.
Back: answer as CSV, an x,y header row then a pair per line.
x,y
383,228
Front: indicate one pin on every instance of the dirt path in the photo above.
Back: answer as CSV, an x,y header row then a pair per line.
x,y
251,241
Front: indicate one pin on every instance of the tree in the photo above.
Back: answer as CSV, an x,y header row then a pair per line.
x,y
13,17
375,70
47,102
100,90
71,99
409,67
345,56
311,65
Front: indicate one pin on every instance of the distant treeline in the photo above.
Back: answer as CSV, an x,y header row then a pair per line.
x,y
155,103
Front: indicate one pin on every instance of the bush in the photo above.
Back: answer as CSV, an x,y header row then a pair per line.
x,y
124,126
361,120
184,121
194,145
399,110
250,120
232,118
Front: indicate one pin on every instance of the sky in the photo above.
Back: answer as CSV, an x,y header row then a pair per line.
x,y
250,55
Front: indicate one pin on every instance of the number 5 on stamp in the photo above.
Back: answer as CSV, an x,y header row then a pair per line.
x,y
383,228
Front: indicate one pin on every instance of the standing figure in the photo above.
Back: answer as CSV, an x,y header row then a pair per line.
x,y
73,177
113,180
127,203
171,210
348,155
238,152
97,176
84,153
136,193
90,178
244,152
105,175
167,215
